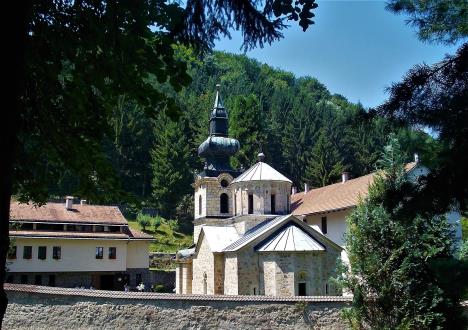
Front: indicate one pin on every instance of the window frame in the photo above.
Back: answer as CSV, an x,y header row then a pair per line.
x,y
57,252
324,225
224,203
27,255
112,255
250,202
99,252
42,252
273,203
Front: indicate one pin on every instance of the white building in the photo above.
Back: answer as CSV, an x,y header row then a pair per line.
x,y
68,245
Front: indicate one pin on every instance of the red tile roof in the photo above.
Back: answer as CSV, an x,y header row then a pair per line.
x,y
127,233
334,197
56,212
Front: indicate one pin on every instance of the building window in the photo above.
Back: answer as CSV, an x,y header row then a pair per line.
x,y
224,203
57,252
52,280
99,229
99,252
273,204
24,279
301,290
112,253
199,204
254,291
324,225
27,252
38,279
12,252
224,183
326,288
42,252
138,279
9,279
250,211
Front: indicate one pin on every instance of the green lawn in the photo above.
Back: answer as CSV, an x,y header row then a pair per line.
x,y
166,240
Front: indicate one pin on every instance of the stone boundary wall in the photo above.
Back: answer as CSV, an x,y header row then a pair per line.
x,y
39,307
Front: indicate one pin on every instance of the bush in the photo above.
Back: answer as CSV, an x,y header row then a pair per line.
x,y
143,220
157,221
173,224
159,288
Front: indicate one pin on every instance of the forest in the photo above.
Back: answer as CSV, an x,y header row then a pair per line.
x,y
307,133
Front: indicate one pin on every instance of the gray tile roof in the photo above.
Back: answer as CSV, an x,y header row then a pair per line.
x,y
255,232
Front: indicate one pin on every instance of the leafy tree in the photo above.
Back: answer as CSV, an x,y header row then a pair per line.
x,y
435,20
71,61
325,162
156,222
395,261
172,175
247,125
143,220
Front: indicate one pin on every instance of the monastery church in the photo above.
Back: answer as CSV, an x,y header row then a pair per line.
x,y
253,235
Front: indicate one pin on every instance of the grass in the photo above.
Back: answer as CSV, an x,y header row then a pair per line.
x,y
166,239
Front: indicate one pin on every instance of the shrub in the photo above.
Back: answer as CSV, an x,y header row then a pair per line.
x,y
143,220
173,224
157,221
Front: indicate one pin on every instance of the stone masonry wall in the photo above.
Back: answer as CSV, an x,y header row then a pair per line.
x,y
32,310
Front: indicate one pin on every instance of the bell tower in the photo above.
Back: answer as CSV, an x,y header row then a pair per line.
x,y
213,194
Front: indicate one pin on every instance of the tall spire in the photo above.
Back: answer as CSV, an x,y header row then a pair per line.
x,y
218,147
218,117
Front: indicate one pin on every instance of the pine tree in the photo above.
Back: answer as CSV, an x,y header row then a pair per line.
x,y
392,272
247,125
325,162
172,175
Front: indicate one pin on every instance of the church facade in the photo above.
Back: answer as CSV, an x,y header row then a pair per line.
x,y
246,241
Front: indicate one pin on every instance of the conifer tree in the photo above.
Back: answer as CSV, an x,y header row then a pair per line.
x,y
247,126
172,175
325,162
392,257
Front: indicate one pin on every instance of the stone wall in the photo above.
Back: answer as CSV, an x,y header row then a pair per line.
x,y
80,309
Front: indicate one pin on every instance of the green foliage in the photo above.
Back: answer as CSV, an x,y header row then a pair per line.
x,y
159,288
325,163
165,239
156,222
464,224
170,163
436,20
247,125
144,220
399,265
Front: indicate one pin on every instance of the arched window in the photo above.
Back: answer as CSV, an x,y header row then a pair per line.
x,y
224,203
199,204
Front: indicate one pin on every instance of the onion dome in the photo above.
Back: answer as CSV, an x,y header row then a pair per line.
x,y
218,147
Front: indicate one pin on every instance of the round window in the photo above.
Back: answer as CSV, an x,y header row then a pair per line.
x,y
224,183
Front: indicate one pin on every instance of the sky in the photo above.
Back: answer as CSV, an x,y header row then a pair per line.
x,y
355,48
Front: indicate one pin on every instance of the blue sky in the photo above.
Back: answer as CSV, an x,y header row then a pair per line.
x,y
355,48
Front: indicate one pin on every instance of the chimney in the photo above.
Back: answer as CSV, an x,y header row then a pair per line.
x,y
69,202
306,188
344,177
416,158
83,202
294,190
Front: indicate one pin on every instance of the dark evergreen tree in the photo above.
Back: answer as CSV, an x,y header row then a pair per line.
x,y
392,257
172,176
246,125
325,163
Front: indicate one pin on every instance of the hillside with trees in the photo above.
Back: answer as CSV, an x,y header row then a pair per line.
x,y
306,132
